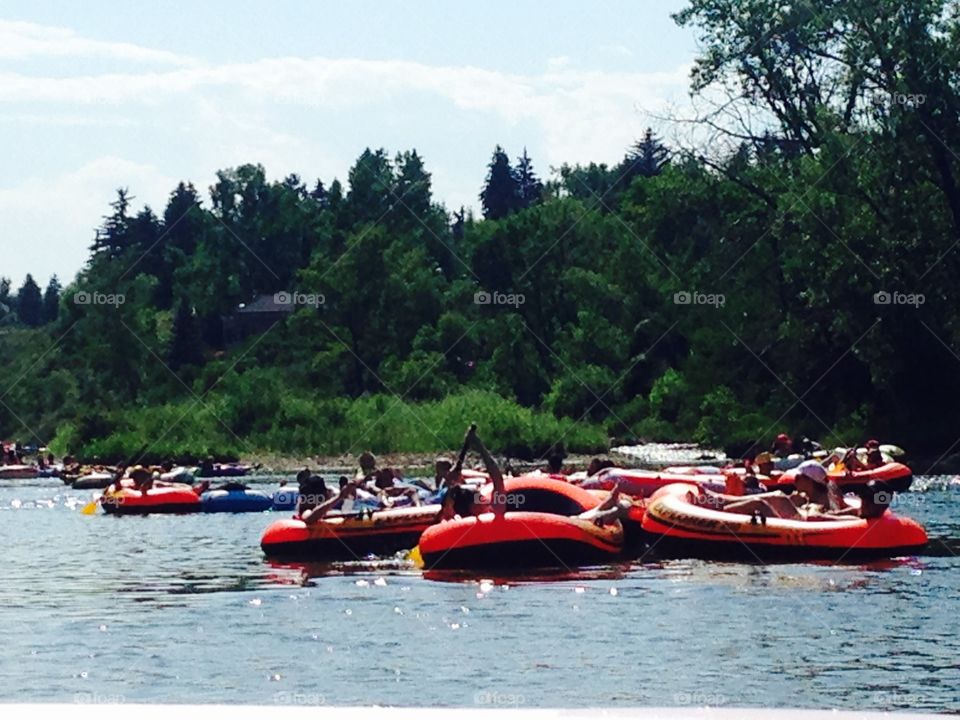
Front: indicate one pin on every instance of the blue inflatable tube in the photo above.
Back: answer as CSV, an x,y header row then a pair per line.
x,y
285,498
234,501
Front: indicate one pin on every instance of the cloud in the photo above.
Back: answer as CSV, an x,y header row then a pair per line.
x,y
311,115
20,40
581,112
53,218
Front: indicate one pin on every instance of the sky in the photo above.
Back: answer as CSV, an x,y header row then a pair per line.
x,y
97,96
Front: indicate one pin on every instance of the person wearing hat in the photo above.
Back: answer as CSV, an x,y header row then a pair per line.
x,y
816,492
764,464
782,447
814,499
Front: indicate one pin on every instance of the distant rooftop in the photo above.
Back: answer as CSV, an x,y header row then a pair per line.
x,y
266,304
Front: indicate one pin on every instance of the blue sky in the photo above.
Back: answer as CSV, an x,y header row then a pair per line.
x,y
94,96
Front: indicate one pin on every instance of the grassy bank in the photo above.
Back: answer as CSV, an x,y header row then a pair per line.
x,y
290,425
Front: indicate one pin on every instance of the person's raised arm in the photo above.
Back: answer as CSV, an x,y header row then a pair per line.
x,y
313,515
499,499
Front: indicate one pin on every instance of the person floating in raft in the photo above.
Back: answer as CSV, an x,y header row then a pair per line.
x,y
368,467
390,493
782,446
817,498
317,505
460,501
442,472
597,464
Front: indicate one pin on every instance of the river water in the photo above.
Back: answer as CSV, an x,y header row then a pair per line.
x,y
186,609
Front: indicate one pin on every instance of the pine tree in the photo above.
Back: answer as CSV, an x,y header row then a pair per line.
x,y
319,194
500,195
185,345
371,187
645,158
111,239
529,187
51,300
182,225
459,221
30,303
6,302
413,184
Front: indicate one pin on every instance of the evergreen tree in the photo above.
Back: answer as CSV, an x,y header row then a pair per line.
x,y
319,193
413,185
30,303
459,222
371,187
645,158
185,345
529,187
112,237
6,302
51,300
182,219
500,195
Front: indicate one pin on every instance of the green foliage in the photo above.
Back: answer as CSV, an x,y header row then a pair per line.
x,y
30,303
671,295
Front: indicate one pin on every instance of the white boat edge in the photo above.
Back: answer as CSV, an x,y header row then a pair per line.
x,y
90,705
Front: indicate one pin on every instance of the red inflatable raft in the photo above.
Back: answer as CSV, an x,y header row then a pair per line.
x,y
896,476
349,536
539,529
680,525
179,499
643,483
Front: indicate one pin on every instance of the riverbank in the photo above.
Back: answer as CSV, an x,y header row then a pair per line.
x,y
647,455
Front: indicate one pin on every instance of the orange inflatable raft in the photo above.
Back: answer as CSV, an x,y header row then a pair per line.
x,y
679,524
644,483
896,477
540,528
174,499
347,537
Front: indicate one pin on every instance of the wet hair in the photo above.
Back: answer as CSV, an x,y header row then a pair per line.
x,y
554,462
343,481
303,475
875,498
462,500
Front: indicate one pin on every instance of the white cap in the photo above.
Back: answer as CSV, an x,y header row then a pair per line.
x,y
813,470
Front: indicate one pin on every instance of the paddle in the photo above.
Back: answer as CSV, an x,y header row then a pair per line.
x,y
415,555
91,507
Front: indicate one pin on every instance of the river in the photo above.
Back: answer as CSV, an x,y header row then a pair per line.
x,y
186,609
